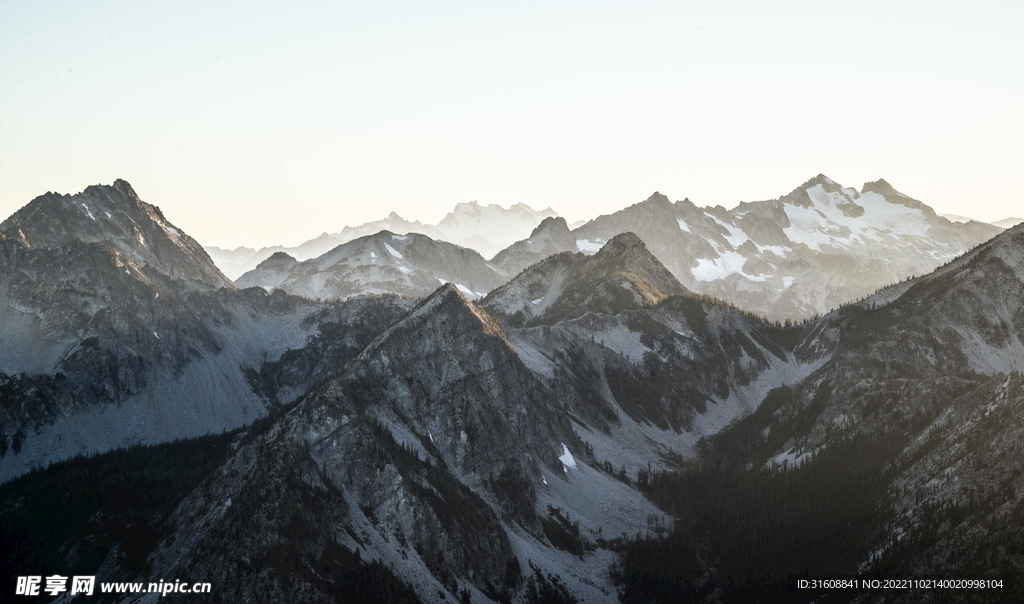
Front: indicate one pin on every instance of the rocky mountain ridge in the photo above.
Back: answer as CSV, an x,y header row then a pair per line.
x,y
116,328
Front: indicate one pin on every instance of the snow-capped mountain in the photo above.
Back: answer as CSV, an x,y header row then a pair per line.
x,y
820,246
411,265
813,250
484,228
116,328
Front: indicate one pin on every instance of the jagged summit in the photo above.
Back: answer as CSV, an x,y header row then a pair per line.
x,y
115,218
658,199
804,253
125,188
551,236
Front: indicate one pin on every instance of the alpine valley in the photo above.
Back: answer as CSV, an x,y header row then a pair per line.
x,y
668,403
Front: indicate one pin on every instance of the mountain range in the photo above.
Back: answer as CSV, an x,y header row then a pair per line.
x,y
802,255
550,425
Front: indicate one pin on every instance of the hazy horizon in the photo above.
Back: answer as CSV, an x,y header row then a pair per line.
x,y
268,125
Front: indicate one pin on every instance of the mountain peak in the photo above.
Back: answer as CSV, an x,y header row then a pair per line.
x,y
886,190
658,199
124,188
446,304
551,224
115,218
622,243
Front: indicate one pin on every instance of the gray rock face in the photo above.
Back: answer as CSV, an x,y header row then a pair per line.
x,y
270,273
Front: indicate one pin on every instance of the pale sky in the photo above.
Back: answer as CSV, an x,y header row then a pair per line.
x,y
256,123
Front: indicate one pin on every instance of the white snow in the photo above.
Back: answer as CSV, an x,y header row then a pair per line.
x,y
399,237
373,255
566,458
736,237
789,460
537,301
728,262
405,270
393,251
778,250
683,226
589,247
157,335
173,231
88,212
787,281
825,224
108,214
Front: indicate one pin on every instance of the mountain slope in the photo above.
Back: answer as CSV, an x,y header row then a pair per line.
x,y
895,458
435,451
116,328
